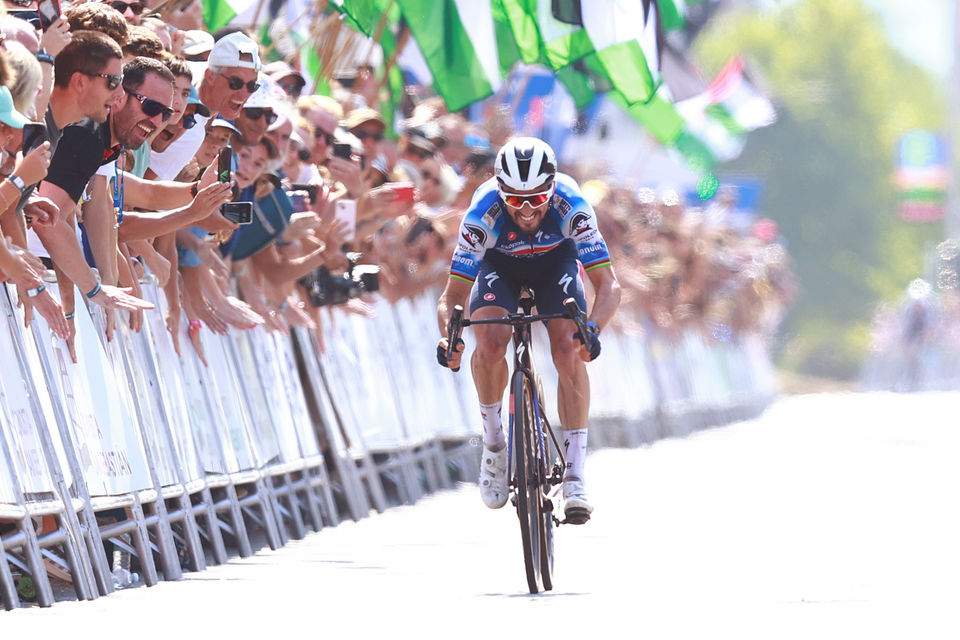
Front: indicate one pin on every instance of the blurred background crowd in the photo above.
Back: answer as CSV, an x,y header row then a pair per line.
x,y
345,201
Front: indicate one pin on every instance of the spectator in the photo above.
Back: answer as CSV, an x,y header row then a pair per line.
x,y
130,11
286,77
229,79
97,16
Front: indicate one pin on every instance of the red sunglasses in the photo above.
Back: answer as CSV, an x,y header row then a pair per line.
x,y
533,199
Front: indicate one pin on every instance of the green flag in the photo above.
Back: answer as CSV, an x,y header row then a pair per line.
x,y
218,13
457,39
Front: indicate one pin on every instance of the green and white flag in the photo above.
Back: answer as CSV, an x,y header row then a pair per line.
x,y
457,40
734,100
621,36
219,13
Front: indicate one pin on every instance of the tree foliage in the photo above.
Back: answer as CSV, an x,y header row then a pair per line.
x,y
844,96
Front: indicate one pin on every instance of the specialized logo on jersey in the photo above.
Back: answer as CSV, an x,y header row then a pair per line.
x,y
491,278
474,236
581,224
565,282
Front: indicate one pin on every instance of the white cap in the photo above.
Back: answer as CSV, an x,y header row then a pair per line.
x,y
267,96
235,50
195,42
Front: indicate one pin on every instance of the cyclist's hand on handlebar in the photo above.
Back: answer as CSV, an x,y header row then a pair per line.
x,y
589,350
454,363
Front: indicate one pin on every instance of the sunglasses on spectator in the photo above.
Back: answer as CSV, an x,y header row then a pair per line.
x,y
236,83
363,135
135,7
113,81
151,108
293,89
328,137
533,199
429,176
423,154
255,113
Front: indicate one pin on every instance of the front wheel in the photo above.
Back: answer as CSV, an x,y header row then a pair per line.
x,y
536,525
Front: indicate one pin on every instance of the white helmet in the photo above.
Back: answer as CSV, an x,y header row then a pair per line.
x,y
525,164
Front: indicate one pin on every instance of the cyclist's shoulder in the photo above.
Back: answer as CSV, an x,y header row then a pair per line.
x,y
569,197
485,206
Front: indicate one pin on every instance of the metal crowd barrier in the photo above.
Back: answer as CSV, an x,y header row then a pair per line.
x,y
138,452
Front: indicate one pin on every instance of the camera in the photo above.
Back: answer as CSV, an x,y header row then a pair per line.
x,y
324,288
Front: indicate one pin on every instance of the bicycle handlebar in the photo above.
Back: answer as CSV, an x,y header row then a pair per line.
x,y
578,317
457,322
454,327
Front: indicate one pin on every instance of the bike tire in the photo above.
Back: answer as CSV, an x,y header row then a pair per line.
x,y
528,510
546,513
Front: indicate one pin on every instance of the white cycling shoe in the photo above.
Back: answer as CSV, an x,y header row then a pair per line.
x,y
493,477
576,508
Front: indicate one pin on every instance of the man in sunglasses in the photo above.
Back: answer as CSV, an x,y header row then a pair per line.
x,y
257,115
131,11
229,80
530,226
87,84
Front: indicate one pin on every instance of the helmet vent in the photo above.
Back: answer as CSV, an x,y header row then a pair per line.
x,y
524,167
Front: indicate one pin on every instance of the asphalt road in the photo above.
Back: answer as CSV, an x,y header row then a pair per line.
x,y
831,516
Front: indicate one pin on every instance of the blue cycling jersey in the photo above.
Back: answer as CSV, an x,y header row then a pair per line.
x,y
486,226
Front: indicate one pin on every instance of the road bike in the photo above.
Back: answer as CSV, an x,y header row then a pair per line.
x,y
534,480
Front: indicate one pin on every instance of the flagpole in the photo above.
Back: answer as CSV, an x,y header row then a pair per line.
x,y
401,43
256,14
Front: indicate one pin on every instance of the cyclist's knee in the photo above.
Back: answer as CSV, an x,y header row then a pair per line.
x,y
492,340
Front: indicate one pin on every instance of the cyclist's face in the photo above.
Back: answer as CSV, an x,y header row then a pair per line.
x,y
527,217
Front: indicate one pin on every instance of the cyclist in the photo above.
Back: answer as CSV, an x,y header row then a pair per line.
x,y
529,225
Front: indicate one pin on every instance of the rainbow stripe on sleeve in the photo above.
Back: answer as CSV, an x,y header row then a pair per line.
x,y
603,262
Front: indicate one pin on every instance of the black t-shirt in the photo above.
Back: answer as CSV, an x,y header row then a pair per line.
x,y
83,148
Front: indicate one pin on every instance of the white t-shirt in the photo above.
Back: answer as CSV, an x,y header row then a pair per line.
x,y
170,162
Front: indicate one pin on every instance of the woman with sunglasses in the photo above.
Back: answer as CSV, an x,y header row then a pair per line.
x,y
530,226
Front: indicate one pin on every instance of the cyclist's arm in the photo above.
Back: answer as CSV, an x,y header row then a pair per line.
x,y
607,298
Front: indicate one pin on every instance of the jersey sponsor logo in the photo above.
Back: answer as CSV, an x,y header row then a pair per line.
x,y
490,217
581,224
474,236
511,236
463,260
563,206
490,278
565,282
489,297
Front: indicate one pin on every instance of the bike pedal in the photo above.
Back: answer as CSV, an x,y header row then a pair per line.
x,y
576,516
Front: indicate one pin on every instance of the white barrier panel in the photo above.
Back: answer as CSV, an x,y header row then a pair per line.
x,y
340,367
206,415
448,420
220,380
7,494
21,427
264,390
154,345
313,361
296,399
100,421
382,428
